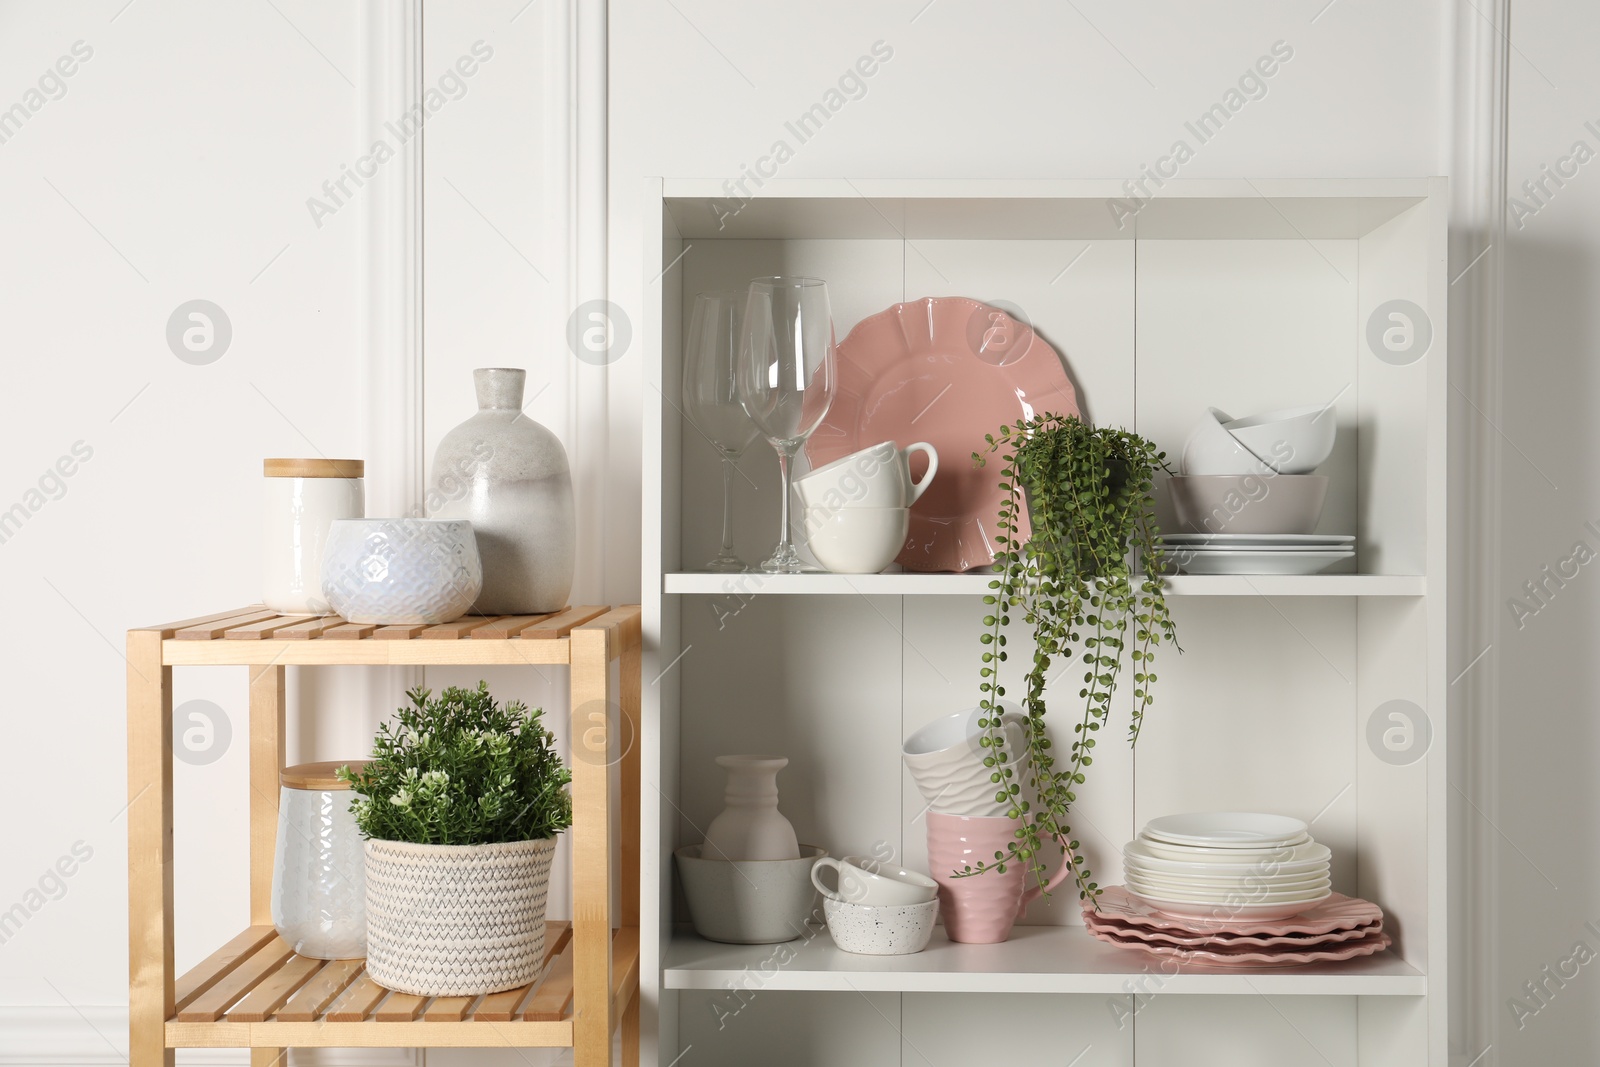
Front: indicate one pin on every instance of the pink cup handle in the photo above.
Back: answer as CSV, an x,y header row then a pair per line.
x,y
918,488
1034,892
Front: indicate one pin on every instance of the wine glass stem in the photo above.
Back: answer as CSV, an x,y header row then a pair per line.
x,y
727,507
783,478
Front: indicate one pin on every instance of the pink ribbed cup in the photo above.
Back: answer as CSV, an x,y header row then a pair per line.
x,y
979,909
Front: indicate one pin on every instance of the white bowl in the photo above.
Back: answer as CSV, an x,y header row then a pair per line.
x,y
1291,441
1211,449
1248,504
398,571
749,902
946,761
857,540
880,930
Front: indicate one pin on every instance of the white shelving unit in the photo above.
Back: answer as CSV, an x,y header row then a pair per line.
x,y
1243,295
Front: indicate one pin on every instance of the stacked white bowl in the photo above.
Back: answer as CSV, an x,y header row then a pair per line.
x,y
1227,865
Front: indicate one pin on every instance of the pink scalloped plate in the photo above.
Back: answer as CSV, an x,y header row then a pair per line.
x,y
1337,912
1250,956
945,370
1097,924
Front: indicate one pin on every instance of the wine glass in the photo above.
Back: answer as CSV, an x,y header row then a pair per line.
x,y
786,375
711,401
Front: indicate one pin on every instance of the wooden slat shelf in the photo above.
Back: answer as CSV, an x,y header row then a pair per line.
x,y
254,991
255,635
264,999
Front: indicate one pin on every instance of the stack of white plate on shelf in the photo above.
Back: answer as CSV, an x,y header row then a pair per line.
x,y
1206,553
1227,865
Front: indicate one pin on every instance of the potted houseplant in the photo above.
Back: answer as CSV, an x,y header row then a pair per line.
x,y
1088,495
460,805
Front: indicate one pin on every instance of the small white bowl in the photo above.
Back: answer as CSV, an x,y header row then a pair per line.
x,y
880,930
398,571
1291,441
857,540
1211,449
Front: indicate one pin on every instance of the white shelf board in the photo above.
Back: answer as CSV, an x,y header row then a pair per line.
x,y
956,209
756,584
1037,959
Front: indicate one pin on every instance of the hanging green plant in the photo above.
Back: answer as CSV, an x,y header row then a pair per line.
x,y
1089,501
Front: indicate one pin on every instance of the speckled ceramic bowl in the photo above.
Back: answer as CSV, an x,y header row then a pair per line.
x,y
880,929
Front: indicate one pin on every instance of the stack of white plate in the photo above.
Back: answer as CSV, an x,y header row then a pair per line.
x,y
1257,553
1227,865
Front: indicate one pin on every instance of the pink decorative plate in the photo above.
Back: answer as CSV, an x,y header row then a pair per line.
x,y
1208,940
1337,912
1243,955
945,370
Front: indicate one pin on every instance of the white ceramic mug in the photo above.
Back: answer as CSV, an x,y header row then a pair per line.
x,y
857,540
863,880
876,477
945,759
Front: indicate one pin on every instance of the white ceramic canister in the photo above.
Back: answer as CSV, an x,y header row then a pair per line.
x,y
319,884
304,497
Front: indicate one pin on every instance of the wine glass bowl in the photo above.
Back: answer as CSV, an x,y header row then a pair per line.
x,y
785,376
711,398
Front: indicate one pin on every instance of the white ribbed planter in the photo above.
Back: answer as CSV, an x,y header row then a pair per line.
x,y
456,920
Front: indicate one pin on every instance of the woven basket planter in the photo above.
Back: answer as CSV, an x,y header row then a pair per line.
x,y
456,920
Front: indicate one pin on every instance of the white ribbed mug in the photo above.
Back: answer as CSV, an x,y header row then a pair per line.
x,y
946,761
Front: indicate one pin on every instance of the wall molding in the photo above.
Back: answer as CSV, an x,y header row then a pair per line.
x,y
1480,95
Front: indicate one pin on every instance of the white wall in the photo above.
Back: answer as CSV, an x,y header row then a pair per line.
x,y
175,166
1548,811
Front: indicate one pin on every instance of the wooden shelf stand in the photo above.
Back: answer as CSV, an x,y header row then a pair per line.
x,y
255,992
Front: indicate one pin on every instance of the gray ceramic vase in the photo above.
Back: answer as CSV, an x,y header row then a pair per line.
x,y
510,477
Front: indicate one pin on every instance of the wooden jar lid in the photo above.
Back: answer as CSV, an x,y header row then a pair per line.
x,y
318,777
314,468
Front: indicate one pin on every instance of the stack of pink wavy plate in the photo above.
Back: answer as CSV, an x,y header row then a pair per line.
x,y
1338,928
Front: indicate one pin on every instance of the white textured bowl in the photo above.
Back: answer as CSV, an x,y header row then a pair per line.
x,y
857,540
398,571
1210,449
880,930
1248,504
1291,441
946,761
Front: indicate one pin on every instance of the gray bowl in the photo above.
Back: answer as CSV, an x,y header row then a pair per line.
x,y
749,902
1248,503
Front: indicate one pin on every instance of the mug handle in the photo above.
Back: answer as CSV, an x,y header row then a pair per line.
x,y
918,488
825,861
1034,892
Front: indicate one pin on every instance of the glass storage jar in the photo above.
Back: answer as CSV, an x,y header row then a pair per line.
x,y
319,885
304,496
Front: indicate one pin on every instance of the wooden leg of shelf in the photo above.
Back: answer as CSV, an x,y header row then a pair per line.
x,y
632,701
630,1033
591,847
150,967
267,699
